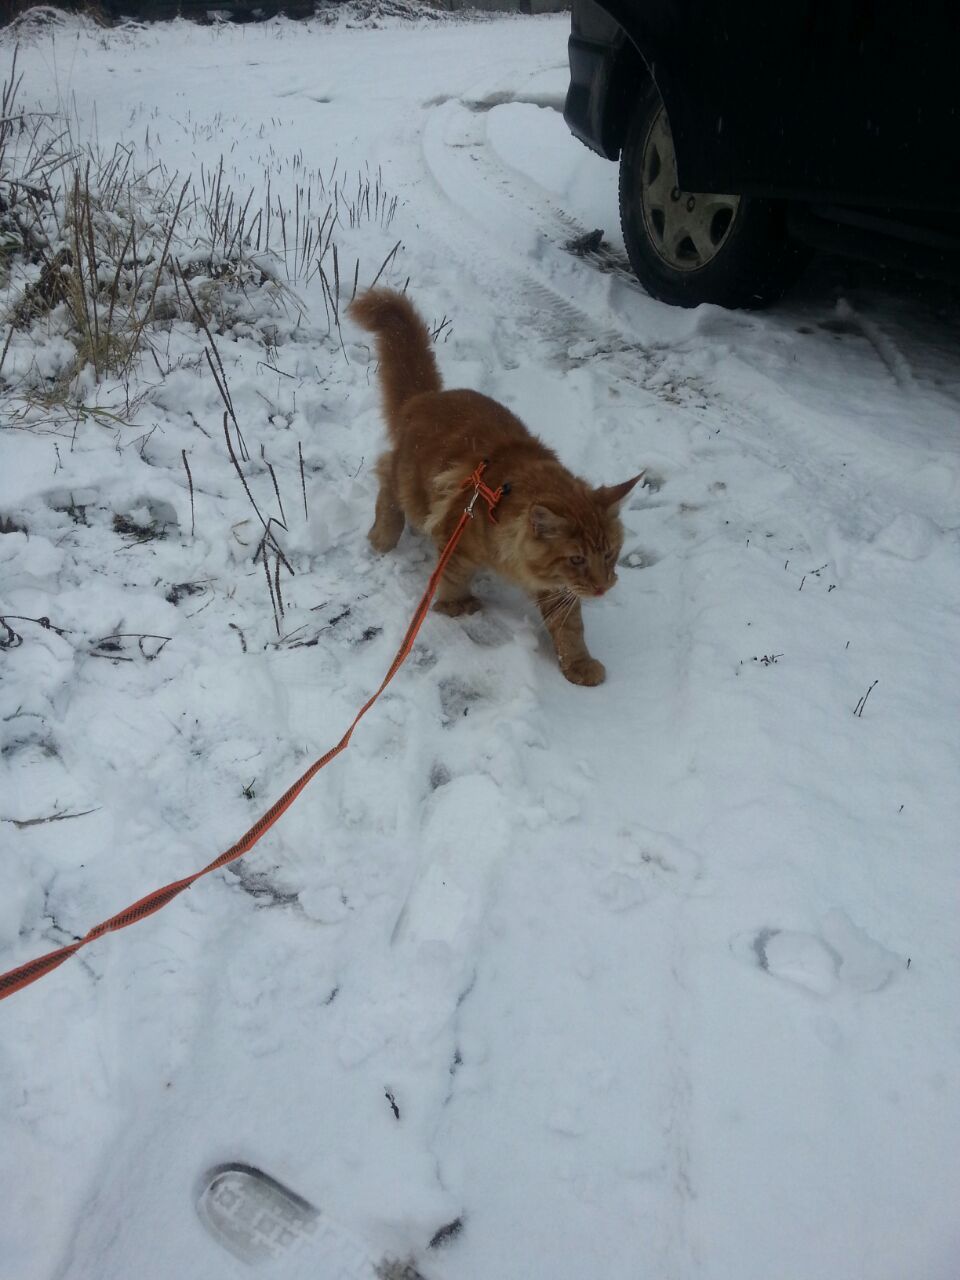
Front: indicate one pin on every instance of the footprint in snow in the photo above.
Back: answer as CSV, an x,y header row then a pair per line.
x,y
457,698
638,559
908,536
840,957
487,631
466,833
422,658
635,870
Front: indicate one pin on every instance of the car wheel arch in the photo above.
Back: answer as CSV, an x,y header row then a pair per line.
x,y
633,69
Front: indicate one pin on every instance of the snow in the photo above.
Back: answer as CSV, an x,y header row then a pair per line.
x,y
660,976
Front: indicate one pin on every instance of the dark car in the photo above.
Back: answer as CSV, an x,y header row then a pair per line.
x,y
749,130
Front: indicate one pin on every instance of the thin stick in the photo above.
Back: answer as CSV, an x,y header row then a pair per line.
x,y
6,348
386,261
278,550
225,397
329,295
243,478
267,241
21,823
262,551
303,483
858,709
93,269
186,466
78,267
273,601
276,583
276,490
220,380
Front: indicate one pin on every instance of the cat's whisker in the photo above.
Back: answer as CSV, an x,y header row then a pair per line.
x,y
551,606
558,614
566,601
571,605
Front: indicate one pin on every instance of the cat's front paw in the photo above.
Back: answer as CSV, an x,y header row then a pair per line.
x,y
586,671
383,540
457,608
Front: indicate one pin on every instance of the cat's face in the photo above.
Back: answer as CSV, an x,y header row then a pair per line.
x,y
573,548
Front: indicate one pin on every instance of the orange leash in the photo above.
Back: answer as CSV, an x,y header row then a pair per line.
x,y
24,974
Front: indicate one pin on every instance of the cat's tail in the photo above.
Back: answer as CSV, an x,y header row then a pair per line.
x,y
407,364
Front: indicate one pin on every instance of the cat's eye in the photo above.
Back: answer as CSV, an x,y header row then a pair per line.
x,y
578,560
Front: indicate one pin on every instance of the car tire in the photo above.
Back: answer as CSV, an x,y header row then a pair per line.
x,y
687,247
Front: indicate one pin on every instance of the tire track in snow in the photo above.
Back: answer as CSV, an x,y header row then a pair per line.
x,y
511,223
528,266
518,233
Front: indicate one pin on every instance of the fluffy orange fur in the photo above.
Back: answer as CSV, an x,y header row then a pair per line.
x,y
555,535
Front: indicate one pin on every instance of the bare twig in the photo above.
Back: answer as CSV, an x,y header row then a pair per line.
x,y
41,622
387,260
6,347
444,325
220,378
858,709
262,552
276,583
186,467
276,489
58,816
109,646
236,464
12,639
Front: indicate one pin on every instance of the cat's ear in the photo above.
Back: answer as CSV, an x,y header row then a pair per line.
x,y
545,523
611,495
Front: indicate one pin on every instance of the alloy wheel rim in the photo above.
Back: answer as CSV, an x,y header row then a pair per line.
x,y
687,229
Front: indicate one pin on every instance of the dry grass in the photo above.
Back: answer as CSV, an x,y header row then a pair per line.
x,y
129,272
99,252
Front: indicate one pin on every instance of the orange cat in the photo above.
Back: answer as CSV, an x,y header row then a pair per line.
x,y
554,535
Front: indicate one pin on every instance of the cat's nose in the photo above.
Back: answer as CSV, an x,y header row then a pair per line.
x,y
599,591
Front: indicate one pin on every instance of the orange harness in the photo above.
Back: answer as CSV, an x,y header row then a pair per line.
x,y
25,974
480,490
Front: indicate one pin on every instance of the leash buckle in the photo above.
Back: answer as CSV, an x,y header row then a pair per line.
x,y
480,490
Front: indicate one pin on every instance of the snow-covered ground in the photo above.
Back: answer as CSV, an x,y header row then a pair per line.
x,y
657,979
